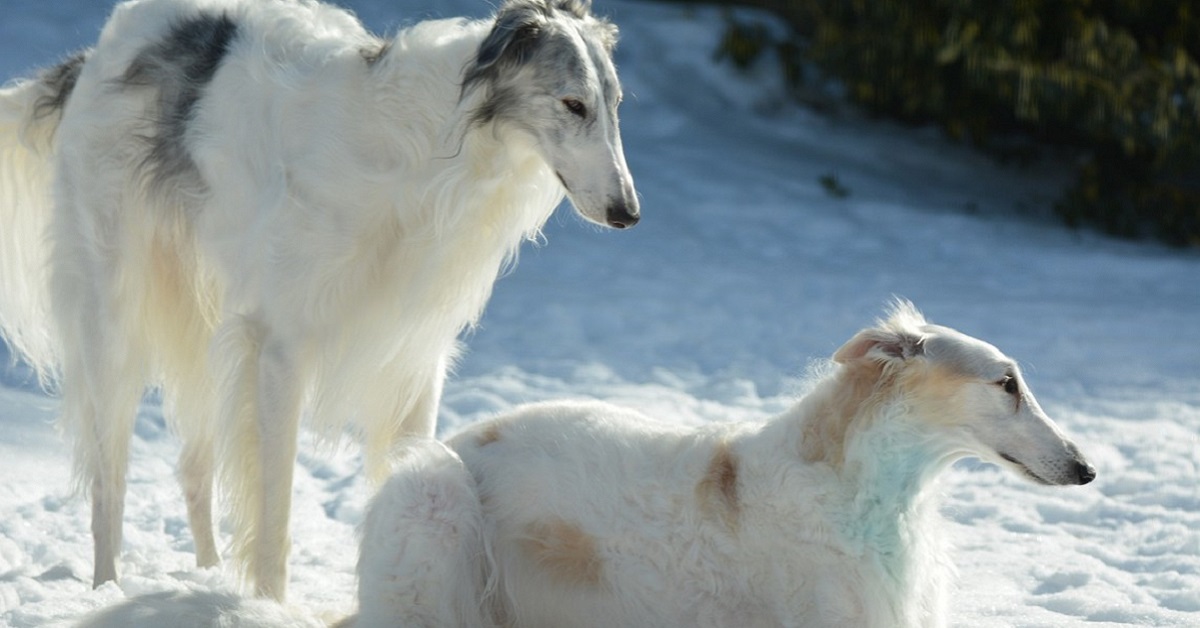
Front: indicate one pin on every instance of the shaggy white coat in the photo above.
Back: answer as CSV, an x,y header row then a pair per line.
x,y
350,212
593,515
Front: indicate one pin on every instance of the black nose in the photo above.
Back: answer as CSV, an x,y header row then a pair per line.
x,y
619,217
1086,472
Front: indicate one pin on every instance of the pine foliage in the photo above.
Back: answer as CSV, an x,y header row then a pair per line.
x,y
1118,79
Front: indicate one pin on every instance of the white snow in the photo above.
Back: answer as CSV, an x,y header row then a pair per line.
x,y
742,270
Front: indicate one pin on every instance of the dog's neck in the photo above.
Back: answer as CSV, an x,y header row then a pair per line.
x,y
485,174
842,403
890,467
853,421
413,86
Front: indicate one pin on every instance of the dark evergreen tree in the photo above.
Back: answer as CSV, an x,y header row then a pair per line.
x,y
1117,79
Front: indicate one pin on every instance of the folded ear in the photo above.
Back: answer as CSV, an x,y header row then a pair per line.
x,y
578,8
880,346
510,41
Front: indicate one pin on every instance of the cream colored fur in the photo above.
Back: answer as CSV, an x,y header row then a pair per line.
x,y
590,515
346,218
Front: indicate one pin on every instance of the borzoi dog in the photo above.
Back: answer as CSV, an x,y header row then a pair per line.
x,y
584,514
268,210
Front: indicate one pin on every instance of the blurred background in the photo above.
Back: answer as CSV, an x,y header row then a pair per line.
x,y
1106,90
1113,85
1025,171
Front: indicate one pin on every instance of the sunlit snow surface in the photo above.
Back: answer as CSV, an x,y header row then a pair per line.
x,y
742,271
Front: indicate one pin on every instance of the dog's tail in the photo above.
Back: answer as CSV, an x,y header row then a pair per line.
x,y
30,111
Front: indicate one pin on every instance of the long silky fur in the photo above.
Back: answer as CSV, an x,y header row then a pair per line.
x,y
825,515
225,186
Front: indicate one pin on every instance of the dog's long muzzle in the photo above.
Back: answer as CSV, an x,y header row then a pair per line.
x,y
1085,471
621,216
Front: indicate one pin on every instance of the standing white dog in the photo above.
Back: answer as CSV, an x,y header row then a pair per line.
x,y
585,514
267,210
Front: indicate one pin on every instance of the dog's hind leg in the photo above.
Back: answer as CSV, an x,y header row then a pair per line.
x,y
189,401
103,364
107,427
101,388
196,479
423,559
180,310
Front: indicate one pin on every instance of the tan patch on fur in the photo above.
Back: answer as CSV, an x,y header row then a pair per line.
x,y
935,394
489,435
564,550
852,399
836,411
718,490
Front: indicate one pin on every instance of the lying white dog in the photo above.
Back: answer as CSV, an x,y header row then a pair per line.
x,y
585,514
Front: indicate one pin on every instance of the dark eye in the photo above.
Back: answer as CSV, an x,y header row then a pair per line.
x,y
575,107
1009,383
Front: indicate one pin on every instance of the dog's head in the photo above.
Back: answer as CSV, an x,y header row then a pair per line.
x,y
546,68
966,393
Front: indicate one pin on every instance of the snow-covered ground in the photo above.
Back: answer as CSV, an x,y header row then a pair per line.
x,y
742,271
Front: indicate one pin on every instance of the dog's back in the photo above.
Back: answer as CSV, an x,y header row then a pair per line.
x,y
568,490
589,515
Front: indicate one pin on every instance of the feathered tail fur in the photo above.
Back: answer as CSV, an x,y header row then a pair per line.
x,y
29,114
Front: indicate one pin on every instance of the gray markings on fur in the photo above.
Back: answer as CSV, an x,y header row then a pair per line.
x,y
523,35
374,54
60,82
179,66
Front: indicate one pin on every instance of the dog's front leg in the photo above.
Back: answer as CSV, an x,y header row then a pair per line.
x,y
262,384
280,392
